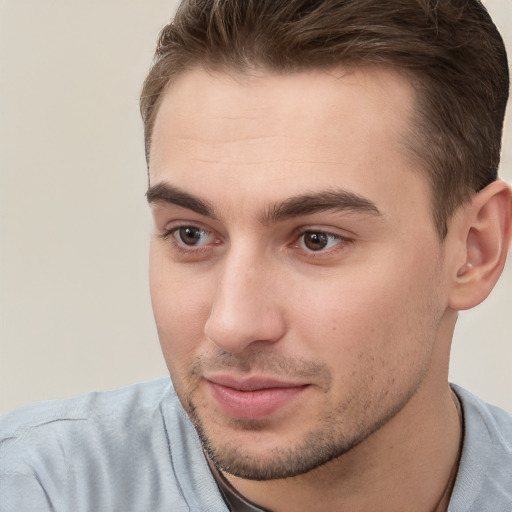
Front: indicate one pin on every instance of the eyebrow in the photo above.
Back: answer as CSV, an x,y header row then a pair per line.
x,y
328,200
165,193
305,204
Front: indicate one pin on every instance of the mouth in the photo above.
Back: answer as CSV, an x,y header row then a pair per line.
x,y
252,398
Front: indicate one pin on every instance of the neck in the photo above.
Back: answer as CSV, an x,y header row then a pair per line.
x,y
410,461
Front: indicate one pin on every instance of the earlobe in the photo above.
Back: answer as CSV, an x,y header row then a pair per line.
x,y
486,230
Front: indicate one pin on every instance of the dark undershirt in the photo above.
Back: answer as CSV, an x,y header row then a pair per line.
x,y
234,500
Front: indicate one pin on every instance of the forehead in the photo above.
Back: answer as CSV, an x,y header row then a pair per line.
x,y
270,135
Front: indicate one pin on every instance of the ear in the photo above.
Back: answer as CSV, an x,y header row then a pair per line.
x,y
484,231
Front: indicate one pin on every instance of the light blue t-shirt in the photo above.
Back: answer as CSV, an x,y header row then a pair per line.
x,y
135,450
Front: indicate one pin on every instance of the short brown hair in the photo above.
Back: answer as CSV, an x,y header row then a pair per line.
x,y
450,49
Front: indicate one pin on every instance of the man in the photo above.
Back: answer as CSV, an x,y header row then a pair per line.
x,y
323,182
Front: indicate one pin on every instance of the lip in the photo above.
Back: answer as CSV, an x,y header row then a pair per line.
x,y
254,397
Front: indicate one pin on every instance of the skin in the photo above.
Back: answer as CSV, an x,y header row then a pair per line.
x,y
360,328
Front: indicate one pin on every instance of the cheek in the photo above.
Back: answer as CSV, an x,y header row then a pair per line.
x,y
181,307
371,323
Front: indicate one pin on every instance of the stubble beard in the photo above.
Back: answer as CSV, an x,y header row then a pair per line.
x,y
316,449
334,435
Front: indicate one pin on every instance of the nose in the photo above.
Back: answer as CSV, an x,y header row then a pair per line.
x,y
246,307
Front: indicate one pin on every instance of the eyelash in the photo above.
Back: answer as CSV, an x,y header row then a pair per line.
x,y
341,244
181,247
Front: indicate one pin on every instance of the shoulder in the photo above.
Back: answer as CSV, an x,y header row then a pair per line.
x,y
87,452
88,429
498,420
485,471
94,407
100,451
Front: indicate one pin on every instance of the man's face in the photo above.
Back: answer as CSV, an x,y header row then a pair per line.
x,y
296,275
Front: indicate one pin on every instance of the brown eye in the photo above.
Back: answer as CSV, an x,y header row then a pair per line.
x,y
316,241
192,236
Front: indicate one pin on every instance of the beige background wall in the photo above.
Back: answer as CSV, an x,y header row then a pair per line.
x,y
74,304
